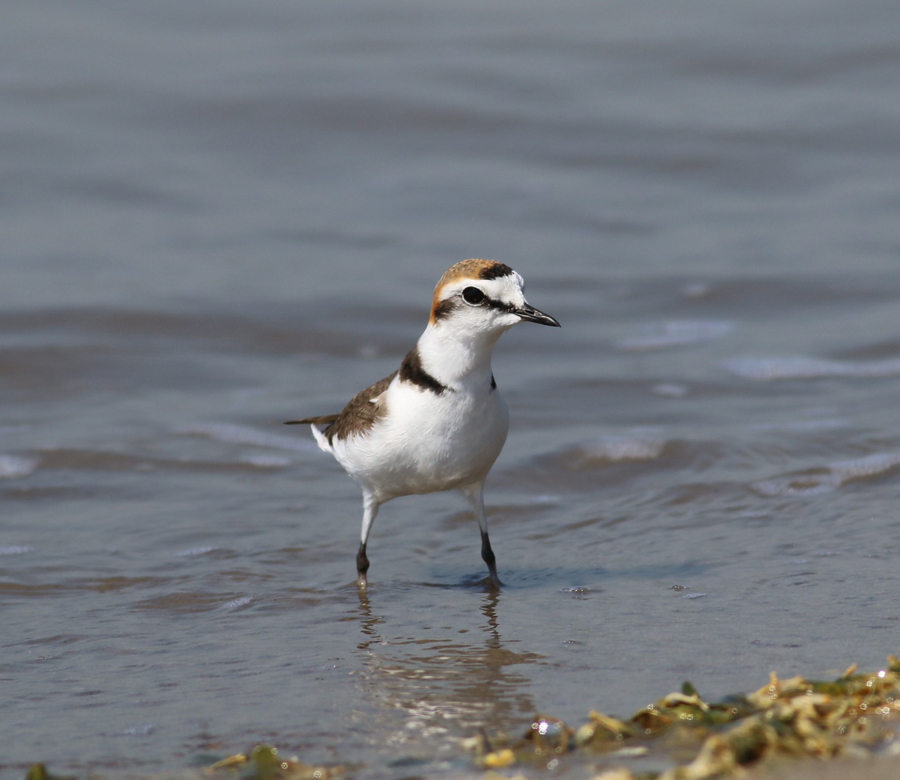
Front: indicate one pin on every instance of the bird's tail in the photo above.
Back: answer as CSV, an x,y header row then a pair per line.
x,y
325,419
320,437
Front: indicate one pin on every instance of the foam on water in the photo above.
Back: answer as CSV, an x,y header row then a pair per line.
x,y
617,448
143,730
14,467
193,551
237,603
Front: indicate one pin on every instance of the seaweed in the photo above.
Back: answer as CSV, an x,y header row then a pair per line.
x,y
853,716
263,762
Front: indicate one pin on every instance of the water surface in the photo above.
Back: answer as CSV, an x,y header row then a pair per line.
x,y
218,217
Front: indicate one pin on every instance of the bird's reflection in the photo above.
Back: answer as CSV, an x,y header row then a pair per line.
x,y
446,685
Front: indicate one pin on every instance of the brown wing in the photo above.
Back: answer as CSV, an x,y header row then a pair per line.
x,y
361,413
357,417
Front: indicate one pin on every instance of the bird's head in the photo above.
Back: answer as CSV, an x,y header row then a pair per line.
x,y
483,297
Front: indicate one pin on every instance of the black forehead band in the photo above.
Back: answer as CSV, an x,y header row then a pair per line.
x,y
495,271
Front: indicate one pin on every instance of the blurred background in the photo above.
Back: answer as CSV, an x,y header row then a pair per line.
x,y
216,216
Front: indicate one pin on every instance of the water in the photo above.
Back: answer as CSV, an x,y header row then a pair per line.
x,y
219,216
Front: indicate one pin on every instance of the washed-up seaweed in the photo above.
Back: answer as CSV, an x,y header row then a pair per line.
x,y
854,716
265,763
262,762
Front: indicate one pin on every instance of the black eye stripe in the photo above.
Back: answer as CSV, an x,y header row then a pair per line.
x,y
494,304
476,297
447,306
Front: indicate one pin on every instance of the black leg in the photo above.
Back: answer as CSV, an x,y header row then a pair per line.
x,y
362,566
487,555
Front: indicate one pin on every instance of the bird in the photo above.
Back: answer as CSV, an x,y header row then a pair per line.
x,y
438,422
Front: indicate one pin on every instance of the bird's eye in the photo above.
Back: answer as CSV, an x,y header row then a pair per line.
x,y
473,296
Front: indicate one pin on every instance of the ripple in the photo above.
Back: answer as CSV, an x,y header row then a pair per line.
x,y
15,550
800,367
244,434
799,426
183,602
833,476
104,460
266,461
670,390
675,333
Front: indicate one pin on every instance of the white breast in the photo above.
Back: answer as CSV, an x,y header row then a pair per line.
x,y
427,442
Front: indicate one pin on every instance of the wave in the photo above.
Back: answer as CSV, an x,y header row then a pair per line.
x,y
618,448
831,477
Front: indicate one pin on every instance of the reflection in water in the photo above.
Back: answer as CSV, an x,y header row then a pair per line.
x,y
443,687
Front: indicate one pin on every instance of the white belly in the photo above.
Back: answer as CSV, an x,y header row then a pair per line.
x,y
427,442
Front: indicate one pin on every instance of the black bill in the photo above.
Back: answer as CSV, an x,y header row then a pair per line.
x,y
528,312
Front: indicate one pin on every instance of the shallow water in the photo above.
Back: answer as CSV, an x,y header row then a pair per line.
x,y
219,217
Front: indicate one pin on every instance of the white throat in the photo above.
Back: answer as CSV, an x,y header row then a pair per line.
x,y
458,358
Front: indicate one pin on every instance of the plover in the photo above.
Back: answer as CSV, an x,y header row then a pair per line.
x,y
438,422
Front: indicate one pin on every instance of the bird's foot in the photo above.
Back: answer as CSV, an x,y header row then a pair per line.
x,y
362,566
487,555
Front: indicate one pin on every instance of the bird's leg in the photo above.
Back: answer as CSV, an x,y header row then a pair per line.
x,y
475,494
370,510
